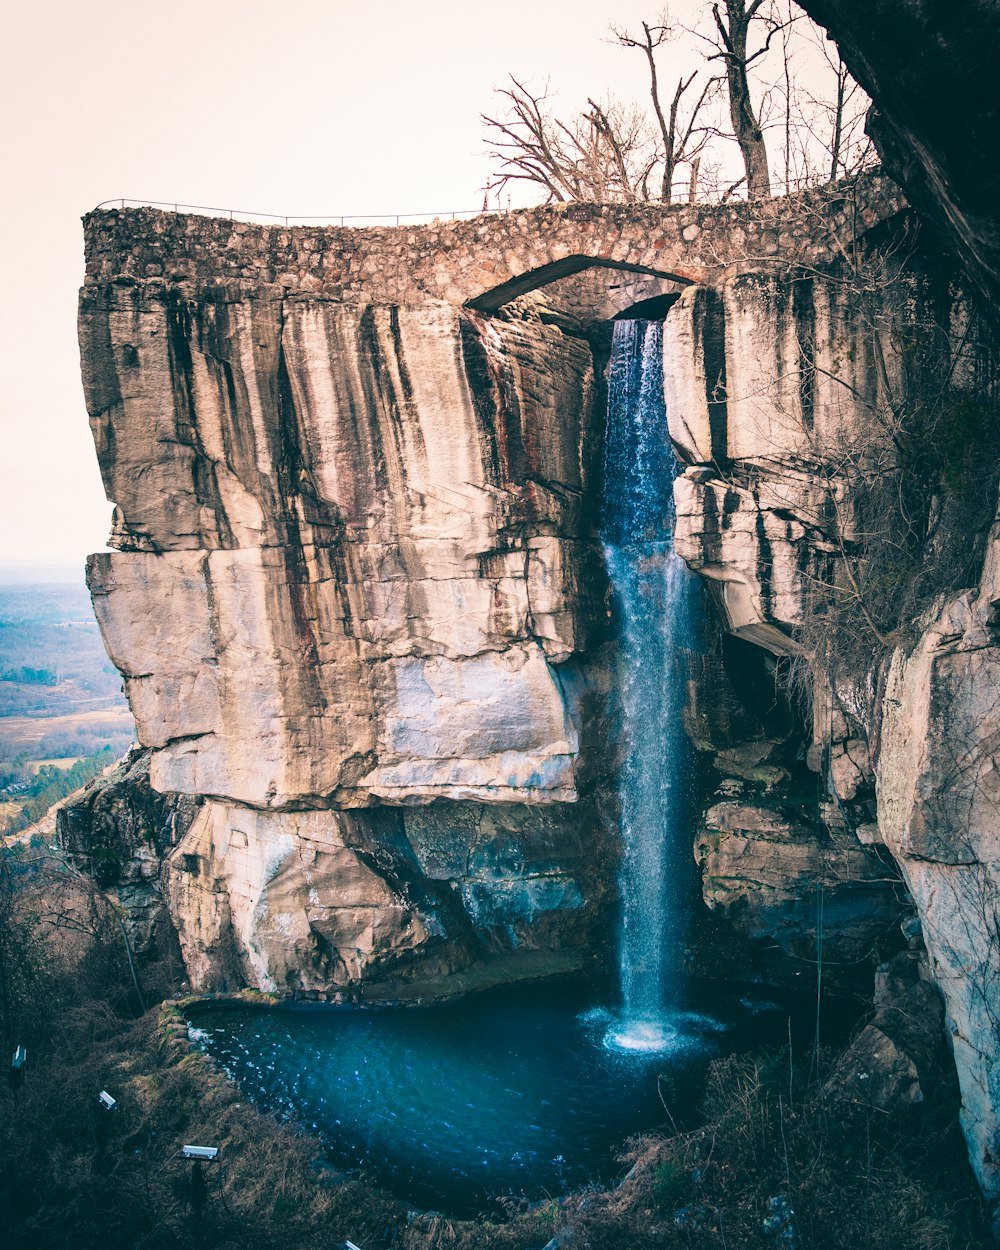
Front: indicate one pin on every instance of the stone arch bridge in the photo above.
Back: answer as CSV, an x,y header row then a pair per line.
x,y
485,261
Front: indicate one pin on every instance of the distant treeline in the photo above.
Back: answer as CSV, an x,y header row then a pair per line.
x,y
52,663
30,676
50,785
84,738
41,652
48,633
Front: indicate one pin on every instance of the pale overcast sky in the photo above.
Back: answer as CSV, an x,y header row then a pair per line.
x,y
306,107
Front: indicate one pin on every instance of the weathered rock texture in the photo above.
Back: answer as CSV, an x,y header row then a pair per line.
x,y
899,1052
939,814
372,522
118,831
359,568
796,403
794,892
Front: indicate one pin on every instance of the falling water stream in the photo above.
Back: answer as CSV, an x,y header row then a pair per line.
x,y
656,599
532,1089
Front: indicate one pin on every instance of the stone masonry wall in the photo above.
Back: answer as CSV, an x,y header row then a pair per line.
x,y
459,261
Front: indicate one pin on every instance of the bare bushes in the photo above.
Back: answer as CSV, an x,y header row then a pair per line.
x,y
910,484
778,1163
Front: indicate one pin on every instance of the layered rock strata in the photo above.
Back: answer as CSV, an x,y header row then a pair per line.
x,y
797,896
356,565
353,533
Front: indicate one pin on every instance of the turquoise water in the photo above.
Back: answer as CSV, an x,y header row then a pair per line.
x,y
515,1091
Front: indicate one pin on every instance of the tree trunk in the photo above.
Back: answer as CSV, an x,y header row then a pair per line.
x,y
838,120
693,184
746,126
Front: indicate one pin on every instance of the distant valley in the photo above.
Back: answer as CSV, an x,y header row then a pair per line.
x,y
63,717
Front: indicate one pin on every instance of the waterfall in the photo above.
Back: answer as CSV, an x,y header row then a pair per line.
x,y
656,598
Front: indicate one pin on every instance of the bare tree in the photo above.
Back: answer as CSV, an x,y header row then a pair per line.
x,y
605,155
733,31
838,124
682,141
782,78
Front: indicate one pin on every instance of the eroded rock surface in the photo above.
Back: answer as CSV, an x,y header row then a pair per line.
x,y
797,894
939,803
311,902
118,831
359,554
357,565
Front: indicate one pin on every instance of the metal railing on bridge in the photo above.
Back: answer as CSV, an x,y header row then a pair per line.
x,y
334,219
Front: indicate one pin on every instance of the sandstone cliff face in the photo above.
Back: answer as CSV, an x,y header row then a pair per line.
x,y
794,402
795,894
939,802
349,534
357,565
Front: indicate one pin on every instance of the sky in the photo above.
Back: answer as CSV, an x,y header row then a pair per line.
x,y
311,107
